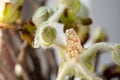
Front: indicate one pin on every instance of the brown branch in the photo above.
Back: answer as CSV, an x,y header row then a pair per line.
x,y
22,52
36,63
52,63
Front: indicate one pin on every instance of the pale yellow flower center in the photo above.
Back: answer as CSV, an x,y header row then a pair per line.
x,y
74,46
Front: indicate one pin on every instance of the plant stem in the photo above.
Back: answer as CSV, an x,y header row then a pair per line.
x,y
59,45
86,73
62,73
97,61
36,63
55,17
95,48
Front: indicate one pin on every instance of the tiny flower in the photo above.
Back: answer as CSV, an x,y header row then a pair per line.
x,y
79,61
73,47
48,35
46,32
45,35
41,14
73,65
10,11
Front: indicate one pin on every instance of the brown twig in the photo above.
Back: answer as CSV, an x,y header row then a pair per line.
x,y
52,63
21,55
36,63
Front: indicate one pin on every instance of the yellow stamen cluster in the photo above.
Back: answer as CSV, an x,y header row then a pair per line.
x,y
73,43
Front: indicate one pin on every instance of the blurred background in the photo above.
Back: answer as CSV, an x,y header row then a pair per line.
x,y
105,13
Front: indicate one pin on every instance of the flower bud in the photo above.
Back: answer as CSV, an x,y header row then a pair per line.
x,y
116,54
48,35
41,15
10,11
73,7
99,35
45,35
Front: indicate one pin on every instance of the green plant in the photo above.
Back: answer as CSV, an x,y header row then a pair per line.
x,y
77,61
